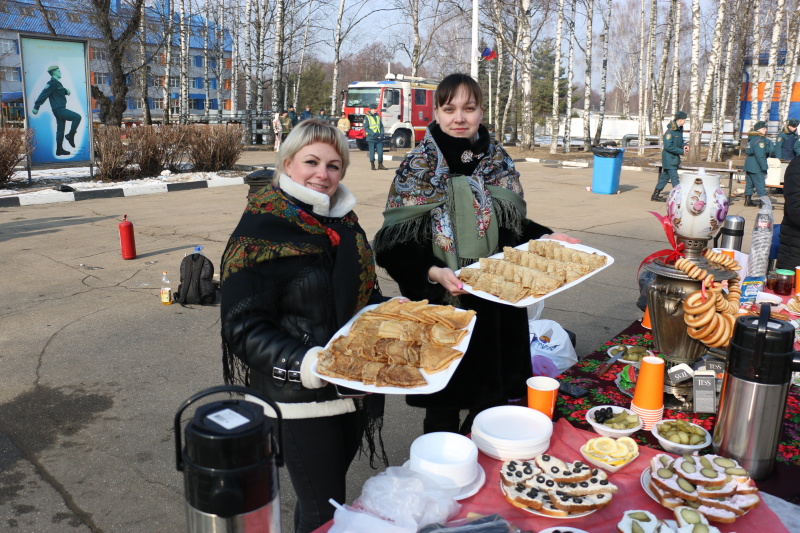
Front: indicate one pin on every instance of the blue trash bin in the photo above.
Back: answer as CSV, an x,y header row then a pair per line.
x,y
607,168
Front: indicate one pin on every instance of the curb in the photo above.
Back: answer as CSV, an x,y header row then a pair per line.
x,y
116,192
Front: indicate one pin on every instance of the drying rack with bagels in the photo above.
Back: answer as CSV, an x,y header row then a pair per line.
x,y
397,347
532,271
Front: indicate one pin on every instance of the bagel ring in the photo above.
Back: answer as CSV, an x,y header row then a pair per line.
x,y
691,306
717,334
710,327
698,321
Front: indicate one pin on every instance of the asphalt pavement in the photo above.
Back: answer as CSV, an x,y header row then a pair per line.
x,y
94,367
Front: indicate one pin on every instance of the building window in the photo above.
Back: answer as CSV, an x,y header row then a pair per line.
x,y
198,61
174,108
157,103
212,63
174,82
26,11
99,54
226,84
195,103
158,81
196,83
10,74
73,17
8,46
212,84
3,7
228,63
102,78
226,104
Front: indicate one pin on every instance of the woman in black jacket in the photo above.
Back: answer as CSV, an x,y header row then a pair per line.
x,y
789,248
456,198
296,268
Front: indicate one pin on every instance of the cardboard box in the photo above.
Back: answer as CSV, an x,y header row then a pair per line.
x,y
705,391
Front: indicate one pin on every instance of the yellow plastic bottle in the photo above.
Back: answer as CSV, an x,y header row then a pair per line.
x,y
166,290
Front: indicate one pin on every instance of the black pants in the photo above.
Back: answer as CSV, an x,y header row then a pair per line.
x,y
448,419
318,453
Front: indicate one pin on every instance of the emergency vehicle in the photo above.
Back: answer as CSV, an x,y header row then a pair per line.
x,y
405,104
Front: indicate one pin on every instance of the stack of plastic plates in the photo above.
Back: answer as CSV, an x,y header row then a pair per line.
x,y
512,432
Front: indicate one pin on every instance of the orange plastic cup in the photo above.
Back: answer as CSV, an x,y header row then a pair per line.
x,y
729,252
646,319
542,394
649,392
796,275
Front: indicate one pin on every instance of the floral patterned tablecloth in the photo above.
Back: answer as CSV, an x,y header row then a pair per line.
x,y
604,391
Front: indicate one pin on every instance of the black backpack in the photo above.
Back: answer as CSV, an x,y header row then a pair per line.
x,y
197,285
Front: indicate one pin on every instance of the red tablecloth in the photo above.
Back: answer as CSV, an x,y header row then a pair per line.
x,y
565,443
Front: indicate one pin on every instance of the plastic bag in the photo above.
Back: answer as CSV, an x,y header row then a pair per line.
x,y
348,519
761,241
550,340
406,498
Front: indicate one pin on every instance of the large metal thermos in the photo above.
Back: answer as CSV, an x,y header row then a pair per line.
x,y
230,464
753,398
730,236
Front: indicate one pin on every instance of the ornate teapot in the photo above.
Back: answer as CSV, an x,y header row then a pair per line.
x,y
697,206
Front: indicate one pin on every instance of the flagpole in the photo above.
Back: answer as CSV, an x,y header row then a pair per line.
x,y
474,51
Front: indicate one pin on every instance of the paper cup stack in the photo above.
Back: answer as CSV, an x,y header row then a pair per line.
x,y
648,398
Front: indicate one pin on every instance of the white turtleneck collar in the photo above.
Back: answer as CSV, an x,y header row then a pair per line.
x,y
337,206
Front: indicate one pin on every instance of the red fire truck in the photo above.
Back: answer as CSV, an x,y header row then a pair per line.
x,y
405,104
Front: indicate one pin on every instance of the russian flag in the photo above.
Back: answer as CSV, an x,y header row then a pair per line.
x,y
488,54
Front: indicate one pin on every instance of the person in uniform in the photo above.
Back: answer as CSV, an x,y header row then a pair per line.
x,y
344,124
755,166
57,94
787,147
671,155
306,114
286,125
293,115
373,127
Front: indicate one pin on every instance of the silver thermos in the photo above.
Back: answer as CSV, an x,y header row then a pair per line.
x,y
730,236
753,397
230,465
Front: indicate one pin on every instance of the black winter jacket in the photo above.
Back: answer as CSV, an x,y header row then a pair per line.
x,y
789,249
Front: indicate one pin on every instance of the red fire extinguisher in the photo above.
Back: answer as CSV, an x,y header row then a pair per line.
x,y
126,240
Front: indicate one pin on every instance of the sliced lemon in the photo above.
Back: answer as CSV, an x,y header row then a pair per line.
x,y
621,451
604,445
629,443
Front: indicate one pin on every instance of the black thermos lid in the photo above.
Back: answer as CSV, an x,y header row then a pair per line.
x,y
228,434
774,364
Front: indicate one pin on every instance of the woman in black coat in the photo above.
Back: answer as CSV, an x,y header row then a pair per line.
x,y
456,198
296,268
789,249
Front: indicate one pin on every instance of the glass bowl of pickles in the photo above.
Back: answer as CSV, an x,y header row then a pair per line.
x,y
613,421
680,436
631,355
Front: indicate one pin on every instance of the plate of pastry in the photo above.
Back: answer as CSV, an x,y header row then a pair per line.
x,y
532,271
397,347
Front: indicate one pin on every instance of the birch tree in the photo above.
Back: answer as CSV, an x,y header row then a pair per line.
x,y
206,57
302,56
169,30
570,65
755,73
525,64
718,132
649,65
603,73
587,90
184,37
694,117
246,57
277,59
676,59
659,100
642,80
145,72
772,65
557,79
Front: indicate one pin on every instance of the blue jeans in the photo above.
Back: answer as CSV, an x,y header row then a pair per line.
x,y
668,175
373,147
755,181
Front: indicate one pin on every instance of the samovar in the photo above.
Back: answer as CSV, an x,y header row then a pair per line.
x,y
696,208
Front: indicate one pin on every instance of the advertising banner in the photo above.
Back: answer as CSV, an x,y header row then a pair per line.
x,y
56,94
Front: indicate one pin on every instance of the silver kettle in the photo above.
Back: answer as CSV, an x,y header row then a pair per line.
x,y
752,402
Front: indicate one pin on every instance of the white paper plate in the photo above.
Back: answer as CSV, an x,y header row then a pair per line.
x,y
645,479
513,426
537,513
471,489
436,382
623,361
525,302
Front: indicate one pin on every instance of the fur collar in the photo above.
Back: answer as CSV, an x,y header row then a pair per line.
x,y
342,202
